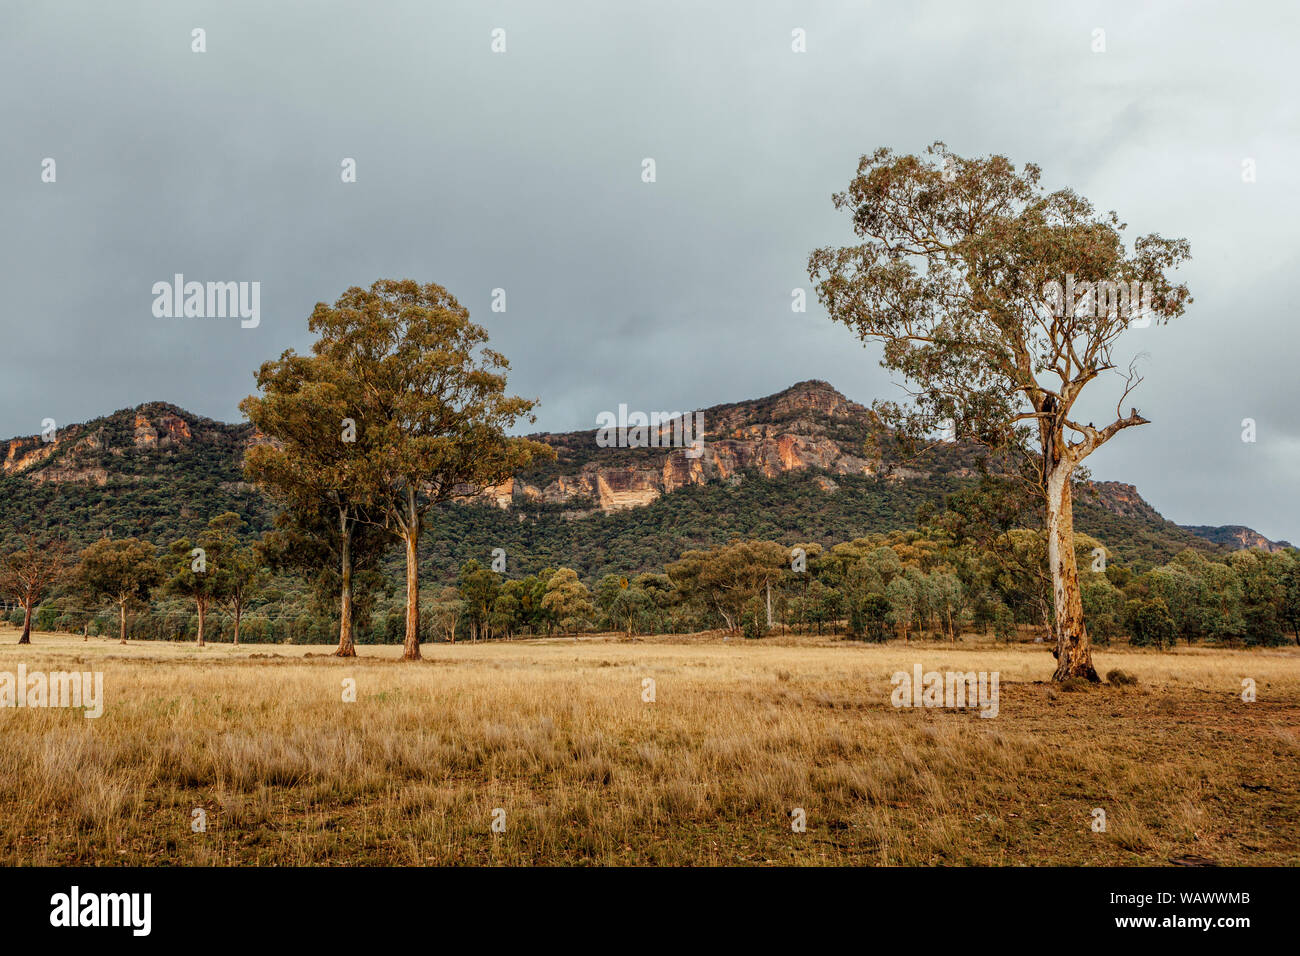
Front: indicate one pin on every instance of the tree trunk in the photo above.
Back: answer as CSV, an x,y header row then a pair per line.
x,y
203,615
409,526
27,623
121,621
239,611
346,647
411,645
768,587
1073,649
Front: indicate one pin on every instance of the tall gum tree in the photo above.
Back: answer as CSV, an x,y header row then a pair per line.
x,y
999,302
433,407
316,465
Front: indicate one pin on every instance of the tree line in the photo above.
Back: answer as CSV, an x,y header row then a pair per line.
x,y
924,584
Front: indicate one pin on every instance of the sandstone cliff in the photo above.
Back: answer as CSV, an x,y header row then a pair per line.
x,y
83,454
809,426
793,430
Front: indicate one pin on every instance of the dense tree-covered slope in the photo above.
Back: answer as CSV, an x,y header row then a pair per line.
x,y
794,467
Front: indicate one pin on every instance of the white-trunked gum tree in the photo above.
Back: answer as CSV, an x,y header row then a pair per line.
x,y
998,303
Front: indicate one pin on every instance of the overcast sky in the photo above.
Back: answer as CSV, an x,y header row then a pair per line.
x,y
522,171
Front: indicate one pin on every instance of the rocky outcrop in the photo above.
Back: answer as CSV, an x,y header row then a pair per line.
x,y
258,437
72,475
1122,499
23,454
169,430
773,451
782,433
35,457
1236,536
73,454
146,436
622,488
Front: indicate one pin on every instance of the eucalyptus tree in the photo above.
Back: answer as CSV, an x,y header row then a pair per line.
x,y
28,573
239,568
312,456
433,405
121,571
999,303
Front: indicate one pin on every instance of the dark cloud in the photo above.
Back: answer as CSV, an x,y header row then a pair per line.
x,y
522,171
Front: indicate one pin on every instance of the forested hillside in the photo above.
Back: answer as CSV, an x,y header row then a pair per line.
x,y
795,466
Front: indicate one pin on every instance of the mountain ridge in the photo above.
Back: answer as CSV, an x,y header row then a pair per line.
x,y
809,427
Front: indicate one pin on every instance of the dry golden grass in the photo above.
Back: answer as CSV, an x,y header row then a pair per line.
x,y
557,735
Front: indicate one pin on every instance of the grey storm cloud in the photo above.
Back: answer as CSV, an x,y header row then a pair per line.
x,y
522,170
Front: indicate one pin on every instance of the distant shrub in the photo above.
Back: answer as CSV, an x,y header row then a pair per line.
x,y
1120,678
869,620
1004,623
1149,624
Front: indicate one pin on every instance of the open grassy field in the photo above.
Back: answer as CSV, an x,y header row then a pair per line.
x,y
556,734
